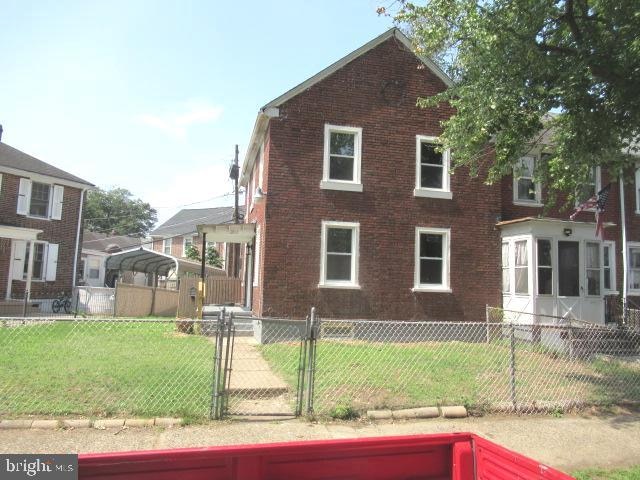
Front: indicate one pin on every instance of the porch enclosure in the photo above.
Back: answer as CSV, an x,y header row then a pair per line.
x,y
557,268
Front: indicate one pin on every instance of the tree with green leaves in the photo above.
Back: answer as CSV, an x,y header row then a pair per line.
x,y
116,212
212,256
570,68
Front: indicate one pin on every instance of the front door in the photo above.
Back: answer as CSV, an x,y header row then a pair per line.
x,y
569,288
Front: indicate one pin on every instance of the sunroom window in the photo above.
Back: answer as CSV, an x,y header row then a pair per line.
x,y
545,269
521,268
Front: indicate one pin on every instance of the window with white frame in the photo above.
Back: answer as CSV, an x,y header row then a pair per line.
x,y
432,247
634,267
432,169
342,158
506,268
93,268
593,268
166,246
545,269
590,187
608,267
44,262
38,261
525,189
40,200
521,267
339,262
187,242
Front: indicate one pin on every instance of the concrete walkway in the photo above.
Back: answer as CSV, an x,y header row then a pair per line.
x,y
568,443
255,388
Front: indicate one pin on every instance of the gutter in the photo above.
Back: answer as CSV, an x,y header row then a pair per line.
x,y
624,245
257,138
75,257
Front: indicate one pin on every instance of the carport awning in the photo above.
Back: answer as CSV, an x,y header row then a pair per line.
x,y
229,232
142,260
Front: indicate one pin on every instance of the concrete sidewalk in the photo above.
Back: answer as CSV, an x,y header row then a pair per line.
x,y
568,443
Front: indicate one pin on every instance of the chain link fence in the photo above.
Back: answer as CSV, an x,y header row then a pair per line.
x,y
508,364
514,362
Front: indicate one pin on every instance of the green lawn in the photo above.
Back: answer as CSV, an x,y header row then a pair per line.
x,y
95,368
368,375
632,473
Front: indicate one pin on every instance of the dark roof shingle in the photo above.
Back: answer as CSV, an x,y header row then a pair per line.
x,y
14,158
185,221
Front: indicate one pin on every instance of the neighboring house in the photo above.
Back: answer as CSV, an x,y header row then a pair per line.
x,y
40,217
96,247
357,214
175,235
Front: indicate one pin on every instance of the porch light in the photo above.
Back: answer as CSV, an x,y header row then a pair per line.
x,y
567,232
259,195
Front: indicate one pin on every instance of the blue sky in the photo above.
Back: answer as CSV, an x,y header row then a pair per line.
x,y
152,96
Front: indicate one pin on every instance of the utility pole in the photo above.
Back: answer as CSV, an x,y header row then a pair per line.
x,y
235,174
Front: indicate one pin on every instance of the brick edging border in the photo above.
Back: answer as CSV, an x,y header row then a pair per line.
x,y
99,424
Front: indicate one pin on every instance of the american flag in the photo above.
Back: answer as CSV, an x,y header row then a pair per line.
x,y
598,201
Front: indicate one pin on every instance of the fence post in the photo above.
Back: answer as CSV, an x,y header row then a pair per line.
x,y
513,367
75,312
26,302
486,313
311,364
302,364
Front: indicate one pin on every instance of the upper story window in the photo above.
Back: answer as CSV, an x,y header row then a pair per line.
x,y
432,169
432,259
342,158
40,200
187,242
166,246
525,190
339,259
591,187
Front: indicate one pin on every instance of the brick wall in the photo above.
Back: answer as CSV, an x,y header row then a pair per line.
x,y
377,92
62,232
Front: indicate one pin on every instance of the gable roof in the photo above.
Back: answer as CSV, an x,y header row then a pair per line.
x,y
271,108
186,220
17,161
102,241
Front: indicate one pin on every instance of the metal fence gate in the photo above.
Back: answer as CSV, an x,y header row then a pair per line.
x,y
262,370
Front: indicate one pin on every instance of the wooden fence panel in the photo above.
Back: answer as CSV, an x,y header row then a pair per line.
x,y
219,290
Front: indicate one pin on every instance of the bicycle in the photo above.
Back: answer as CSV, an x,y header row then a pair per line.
x,y
63,302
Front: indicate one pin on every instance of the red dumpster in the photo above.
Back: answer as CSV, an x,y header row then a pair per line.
x,y
455,456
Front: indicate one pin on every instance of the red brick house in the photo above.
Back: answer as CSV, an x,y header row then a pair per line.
x,y
358,215
40,226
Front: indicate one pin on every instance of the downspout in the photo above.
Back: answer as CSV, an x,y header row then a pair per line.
x,y
75,257
623,221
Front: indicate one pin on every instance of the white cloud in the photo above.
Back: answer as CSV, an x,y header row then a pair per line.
x,y
175,124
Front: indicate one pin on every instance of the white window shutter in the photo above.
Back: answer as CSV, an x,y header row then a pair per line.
x,y
58,197
52,262
19,254
24,196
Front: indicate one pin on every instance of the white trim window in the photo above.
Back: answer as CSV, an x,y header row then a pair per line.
x,y
521,267
545,267
339,254
506,268
342,158
525,190
591,188
166,246
634,267
432,258
609,267
40,200
432,169
186,243
593,269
